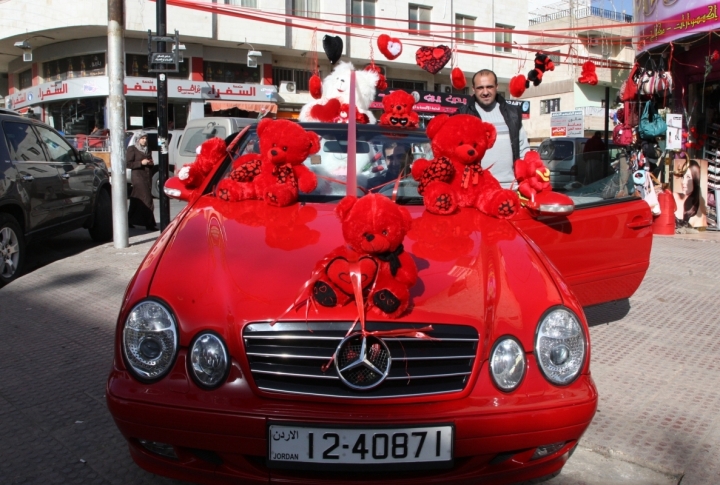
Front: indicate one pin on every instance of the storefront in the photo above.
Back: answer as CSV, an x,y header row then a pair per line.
x,y
76,105
683,36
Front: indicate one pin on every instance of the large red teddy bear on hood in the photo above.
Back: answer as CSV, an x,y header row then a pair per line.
x,y
277,173
374,228
455,178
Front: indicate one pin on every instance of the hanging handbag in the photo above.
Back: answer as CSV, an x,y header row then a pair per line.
x,y
631,109
651,124
622,135
663,82
629,89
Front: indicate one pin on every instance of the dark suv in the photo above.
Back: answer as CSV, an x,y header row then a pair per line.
x,y
47,188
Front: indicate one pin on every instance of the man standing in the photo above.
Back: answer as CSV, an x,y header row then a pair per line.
x,y
593,160
512,141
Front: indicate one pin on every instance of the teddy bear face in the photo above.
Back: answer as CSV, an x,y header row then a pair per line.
x,y
283,142
398,103
461,138
337,85
373,224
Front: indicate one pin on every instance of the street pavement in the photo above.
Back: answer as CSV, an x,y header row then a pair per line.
x,y
655,360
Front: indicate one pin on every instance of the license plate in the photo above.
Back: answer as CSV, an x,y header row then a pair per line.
x,y
293,445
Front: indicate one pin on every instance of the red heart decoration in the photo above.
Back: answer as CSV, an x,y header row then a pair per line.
x,y
390,47
326,113
433,59
338,272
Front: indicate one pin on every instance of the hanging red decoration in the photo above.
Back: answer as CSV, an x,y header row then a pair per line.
x,y
542,63
588,74
457,77
381,84
389,46
315,86
433,59
517,85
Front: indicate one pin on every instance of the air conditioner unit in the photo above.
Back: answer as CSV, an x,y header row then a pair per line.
x,y
287,87
445,88
593,41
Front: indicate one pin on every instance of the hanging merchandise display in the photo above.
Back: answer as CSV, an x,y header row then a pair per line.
x,y
542,63
457,76
390,47
651,123
333,47
588,74
433,59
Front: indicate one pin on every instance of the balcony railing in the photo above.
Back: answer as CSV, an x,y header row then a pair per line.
x,y
584,12
89,142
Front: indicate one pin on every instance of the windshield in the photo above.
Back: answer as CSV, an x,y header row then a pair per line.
x,y
384,156
556,150
194,137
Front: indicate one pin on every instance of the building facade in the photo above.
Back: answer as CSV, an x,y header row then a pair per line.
x,y
603,36
53,55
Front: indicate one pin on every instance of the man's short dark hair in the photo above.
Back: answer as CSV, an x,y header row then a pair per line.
x,y
484,72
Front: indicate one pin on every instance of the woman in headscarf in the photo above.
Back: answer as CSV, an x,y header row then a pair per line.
x,y
138,159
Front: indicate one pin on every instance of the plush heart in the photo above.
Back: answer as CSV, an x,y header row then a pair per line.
x,y
338,272
457,78
433,59
333,47
328,112
389,46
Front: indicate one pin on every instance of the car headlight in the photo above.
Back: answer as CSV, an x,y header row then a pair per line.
x,y
507,363
560,346
150,340
208,360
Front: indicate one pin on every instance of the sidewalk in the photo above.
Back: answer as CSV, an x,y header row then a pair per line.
x,y
655,360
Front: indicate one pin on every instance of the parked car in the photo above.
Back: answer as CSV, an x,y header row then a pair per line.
x,y
568,170
47,187
201,129
220,367
173,141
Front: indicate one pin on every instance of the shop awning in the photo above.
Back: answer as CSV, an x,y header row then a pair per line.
x,y
244,105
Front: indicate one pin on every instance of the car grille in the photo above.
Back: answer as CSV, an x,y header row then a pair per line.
x,y
288,357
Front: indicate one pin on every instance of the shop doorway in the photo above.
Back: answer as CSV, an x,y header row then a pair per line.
x,y
144,115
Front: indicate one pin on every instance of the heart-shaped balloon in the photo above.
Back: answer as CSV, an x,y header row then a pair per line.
x,y
333,47
433,59
389,46
338,272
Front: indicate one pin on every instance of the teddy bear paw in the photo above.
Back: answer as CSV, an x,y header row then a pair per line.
x,y
184,173
507,208
324,295
444,204
386,301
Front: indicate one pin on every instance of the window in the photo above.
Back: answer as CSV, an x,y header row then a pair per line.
x,y
503,38
419,18
243,3
555,57
363,12
405,84
549,105
25,79
76,66
23,143
230,73
137,65
300,77
464,29
306,8
58,149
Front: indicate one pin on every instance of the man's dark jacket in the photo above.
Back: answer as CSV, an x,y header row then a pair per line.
x,y
511,114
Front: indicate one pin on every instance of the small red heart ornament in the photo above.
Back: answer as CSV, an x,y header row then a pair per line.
x,y
433,59
390,47
327,112
338,272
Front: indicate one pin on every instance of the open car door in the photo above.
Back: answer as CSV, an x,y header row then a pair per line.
x,y
603,248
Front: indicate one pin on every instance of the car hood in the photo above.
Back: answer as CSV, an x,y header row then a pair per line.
x,y
228,264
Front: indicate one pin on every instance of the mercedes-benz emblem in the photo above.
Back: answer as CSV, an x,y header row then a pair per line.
x,y
362,362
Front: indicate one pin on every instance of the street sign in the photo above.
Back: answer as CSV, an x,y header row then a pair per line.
x,y
161,61
162,58
567,123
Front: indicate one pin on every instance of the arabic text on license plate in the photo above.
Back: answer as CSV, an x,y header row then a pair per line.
x,y
361,445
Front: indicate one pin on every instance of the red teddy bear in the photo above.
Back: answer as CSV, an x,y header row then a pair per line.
x,y
455,178
277,173
398,107
532,175
588,74
374,228
210,154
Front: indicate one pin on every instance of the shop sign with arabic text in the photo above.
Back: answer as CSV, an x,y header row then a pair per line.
x,y
673,19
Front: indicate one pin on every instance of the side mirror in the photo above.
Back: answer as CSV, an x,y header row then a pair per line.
x,y
175,189
550,204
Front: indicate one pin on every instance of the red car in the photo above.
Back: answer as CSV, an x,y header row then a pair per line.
x,y
208,387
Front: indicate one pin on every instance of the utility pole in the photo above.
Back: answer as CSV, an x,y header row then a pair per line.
x,y
162,113
116,108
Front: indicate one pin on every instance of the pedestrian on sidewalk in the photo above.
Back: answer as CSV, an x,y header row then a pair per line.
x,y
138,159
592,166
